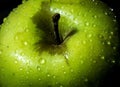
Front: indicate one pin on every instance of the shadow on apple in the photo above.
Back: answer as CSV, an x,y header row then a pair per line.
x,y
43,21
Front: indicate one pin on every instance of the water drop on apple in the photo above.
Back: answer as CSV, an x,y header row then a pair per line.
x,y
54,77
38,68
102,57
39,79
28,72
16,38
84,42
110,37
64,72
106,13
114,20
26,30
113,61
72,11
48,75
25,43
71,70
111,33
63,66
95,16
94,25
90,40
89,35
4,19
108,42
94,61
81,61
103,43
27,77
87,23
114,48
96,3
56,82
61,85
111,9
42,61
66,55
86,79
0,52
16,62
21,69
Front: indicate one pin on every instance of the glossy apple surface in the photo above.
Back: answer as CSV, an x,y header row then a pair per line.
x,y
29,56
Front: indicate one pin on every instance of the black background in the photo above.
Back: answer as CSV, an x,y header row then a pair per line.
x,y
112,79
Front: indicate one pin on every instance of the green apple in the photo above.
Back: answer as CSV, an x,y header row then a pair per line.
x,y
57,43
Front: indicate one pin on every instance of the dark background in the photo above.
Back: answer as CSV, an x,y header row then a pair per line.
x,y
112,79
7,5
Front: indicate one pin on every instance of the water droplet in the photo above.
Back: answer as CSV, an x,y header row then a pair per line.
x,y
72,10
103,43
23,1
91,40
16,61
61,85
87,23
0,52
113,61
114,20
94,61
63,66
39,79
81,61
102,57
82,3
108,42
42,61
38,68
71,70
54,77
114,48
115,16
106,13
84,15
48,75
2,69
21,68
27,77
94,25
86,79
66,55
56,82
4,19
25,43
111,33
28,72
16,37
27,30
111,9
96,3
95,16
90,35
64,72
84,42
110,37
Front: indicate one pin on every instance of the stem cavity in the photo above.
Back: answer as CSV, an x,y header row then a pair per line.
x,y
55,19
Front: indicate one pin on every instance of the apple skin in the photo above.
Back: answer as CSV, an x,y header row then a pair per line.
x,y
29,57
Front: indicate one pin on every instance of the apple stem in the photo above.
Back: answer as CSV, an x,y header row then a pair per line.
x,y
55,19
